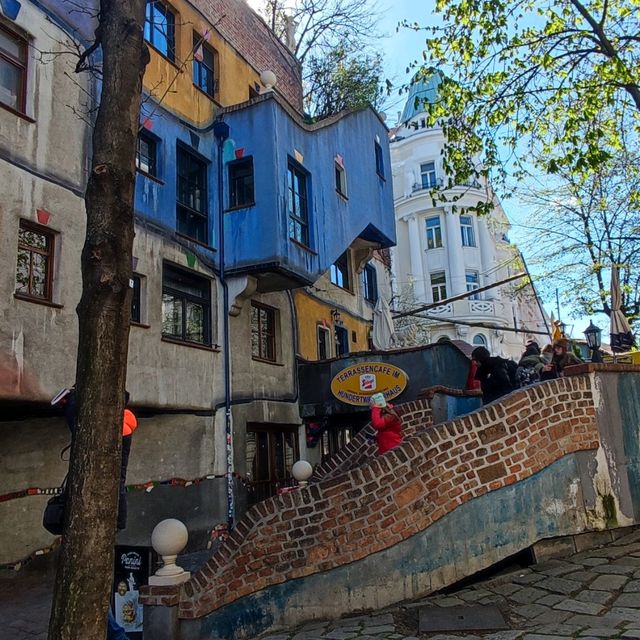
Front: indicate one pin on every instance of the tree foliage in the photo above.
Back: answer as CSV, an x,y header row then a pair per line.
x,y
334,40
513,69
580,225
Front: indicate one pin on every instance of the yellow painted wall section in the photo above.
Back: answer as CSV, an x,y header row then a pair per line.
x,y
174,81
311,312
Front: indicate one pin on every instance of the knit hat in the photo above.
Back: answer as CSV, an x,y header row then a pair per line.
x,y
377,400
481,354
563,343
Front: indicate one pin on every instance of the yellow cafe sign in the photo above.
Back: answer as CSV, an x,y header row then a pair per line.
x,y
356,384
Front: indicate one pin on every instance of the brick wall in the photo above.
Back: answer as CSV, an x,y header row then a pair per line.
x,y
250,36
376,505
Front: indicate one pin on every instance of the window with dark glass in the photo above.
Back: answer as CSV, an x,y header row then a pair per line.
x,y
379,160
192,216
34,270
146,151
341,180
13,70
241,183
428,175
370,283
297,204
324,342
342,341
186,306
160,28
339,273
205,64
466,231
434,232
136,310
263,332
439,286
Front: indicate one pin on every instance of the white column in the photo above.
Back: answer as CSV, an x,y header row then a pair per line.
x,y
415,257
486,256
456,280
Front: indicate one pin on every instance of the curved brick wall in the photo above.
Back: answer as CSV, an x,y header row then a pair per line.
x,y
390,498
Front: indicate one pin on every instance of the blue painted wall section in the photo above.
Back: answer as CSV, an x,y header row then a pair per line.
x,y
495,525
258,236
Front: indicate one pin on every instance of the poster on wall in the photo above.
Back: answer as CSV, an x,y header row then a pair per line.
x,y
131,571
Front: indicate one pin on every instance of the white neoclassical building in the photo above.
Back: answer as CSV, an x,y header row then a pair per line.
x,y
444,250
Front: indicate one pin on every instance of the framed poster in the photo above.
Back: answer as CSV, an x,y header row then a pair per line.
x,y
131,571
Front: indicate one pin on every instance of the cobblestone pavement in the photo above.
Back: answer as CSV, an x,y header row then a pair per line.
x,y
593,594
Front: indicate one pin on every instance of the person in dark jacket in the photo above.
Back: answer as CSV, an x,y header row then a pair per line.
x,y
563,357
493,375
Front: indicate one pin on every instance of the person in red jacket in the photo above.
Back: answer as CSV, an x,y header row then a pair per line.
x,y
129,425
386,422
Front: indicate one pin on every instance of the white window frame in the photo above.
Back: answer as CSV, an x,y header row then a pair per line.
x,y
472,285
467,232
434,233
438,289
431,174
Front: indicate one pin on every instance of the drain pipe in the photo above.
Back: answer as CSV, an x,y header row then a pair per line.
x,y
221,133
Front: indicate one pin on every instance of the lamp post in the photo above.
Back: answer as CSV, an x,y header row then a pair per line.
x,y
593,335
563,328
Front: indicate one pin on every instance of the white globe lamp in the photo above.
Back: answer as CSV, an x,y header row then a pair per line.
x,y
302,471
268,79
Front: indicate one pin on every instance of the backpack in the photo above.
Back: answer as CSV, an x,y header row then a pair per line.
x,y
53,516
512,371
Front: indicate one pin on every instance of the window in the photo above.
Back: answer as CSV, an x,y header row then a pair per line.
x,y
270,454
341,180
146,154
473,283
428,175
241,183
379,160
192,218
466,229
34,270
160,28
254,92
370,283
324,342
434,233
186,306
479,340
297,205
342,341
136,311
13,70
263,332
439,286
205,64
339,273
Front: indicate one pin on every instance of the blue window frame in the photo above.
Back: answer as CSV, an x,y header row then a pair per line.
x,y
297,204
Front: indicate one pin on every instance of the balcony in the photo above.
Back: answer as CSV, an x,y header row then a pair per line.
x,y
465,309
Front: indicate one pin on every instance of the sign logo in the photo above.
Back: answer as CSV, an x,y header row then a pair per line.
x,y
356,384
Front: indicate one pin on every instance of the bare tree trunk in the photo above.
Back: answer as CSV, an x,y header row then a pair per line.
x,y
81,595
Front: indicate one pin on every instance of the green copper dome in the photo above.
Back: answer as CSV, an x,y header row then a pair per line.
x,y
423,89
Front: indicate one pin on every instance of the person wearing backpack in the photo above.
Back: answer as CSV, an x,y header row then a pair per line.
x,y
493,374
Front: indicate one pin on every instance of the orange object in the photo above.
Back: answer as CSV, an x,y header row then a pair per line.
x,y
129,423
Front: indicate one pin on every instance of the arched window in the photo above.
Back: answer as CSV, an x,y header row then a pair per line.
x,y
444,339
479,340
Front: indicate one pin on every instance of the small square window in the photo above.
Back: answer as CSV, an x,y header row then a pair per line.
x,y
146,154
241,193
13,70
34,269
341,180
205,66
263,332
379,160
